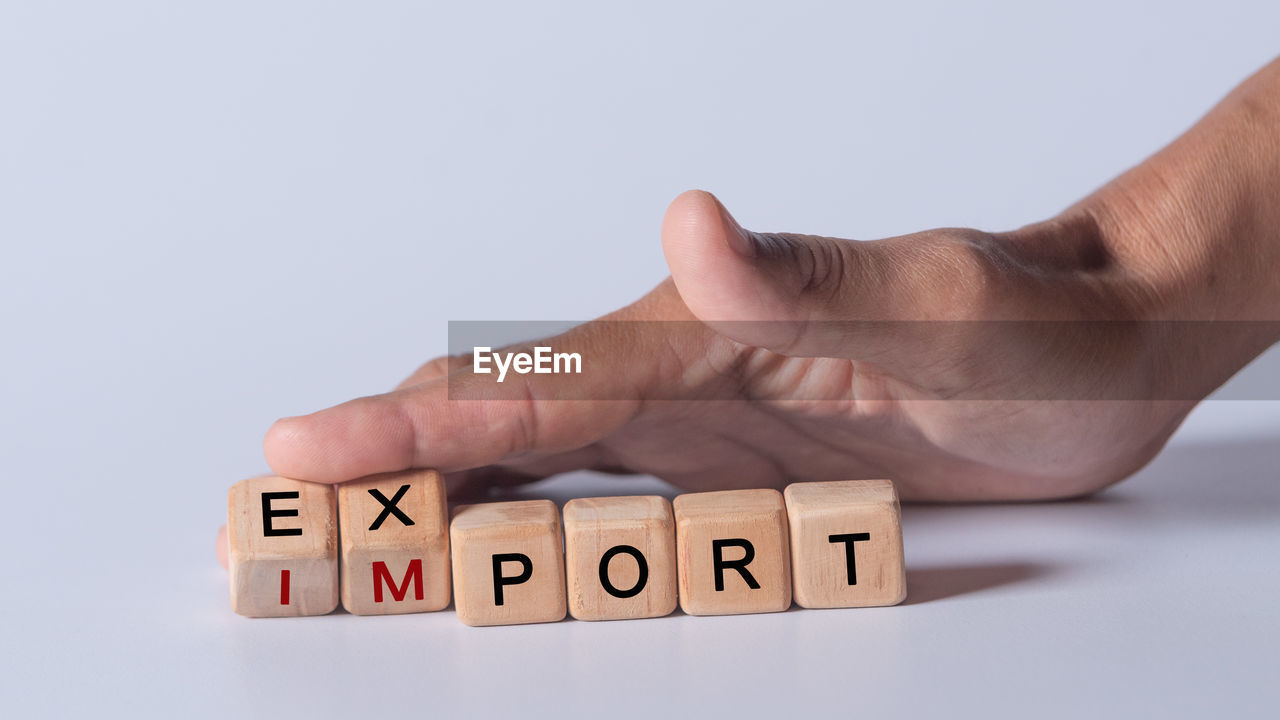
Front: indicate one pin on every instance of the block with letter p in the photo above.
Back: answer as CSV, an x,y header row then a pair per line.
x,y
846,544
508,563
395,543
282,547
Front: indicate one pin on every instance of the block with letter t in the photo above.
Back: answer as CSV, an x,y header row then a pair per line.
x,y
282,543
732,552
508,563
846,544
395,543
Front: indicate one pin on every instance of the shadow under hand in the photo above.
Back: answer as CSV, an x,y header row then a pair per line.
x,y
1223,482
926,584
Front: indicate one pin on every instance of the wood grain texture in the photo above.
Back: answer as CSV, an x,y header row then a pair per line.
x,y
617,526
388,566
757,517
825,517
259,562
529,528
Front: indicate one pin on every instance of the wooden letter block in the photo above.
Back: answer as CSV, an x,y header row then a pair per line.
x,y
733,555
620,555
395,543
282,547
508,563
846,544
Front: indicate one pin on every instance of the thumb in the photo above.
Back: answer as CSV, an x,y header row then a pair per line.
x,y
811,296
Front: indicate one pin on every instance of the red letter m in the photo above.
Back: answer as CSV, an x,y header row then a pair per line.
x,y
414,573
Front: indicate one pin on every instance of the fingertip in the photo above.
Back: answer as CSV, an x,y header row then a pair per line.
x,y
696,220
357,438
712,260
693,238
222,548
285,446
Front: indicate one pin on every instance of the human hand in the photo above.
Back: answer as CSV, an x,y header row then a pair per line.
x,y
965,365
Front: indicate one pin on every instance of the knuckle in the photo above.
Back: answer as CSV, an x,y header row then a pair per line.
x,y
965,274
820,264
525,419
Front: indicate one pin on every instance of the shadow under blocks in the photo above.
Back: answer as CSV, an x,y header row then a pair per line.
x,y
1225,487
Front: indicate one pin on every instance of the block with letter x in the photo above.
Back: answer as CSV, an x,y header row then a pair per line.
x,y
395,543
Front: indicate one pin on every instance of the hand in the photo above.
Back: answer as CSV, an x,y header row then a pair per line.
x,y
964,365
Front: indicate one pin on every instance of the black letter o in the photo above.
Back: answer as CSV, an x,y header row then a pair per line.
x,y
604,571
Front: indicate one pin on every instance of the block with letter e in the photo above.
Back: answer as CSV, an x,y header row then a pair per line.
x,y
732,552
846,544
395,543
508,563
282,547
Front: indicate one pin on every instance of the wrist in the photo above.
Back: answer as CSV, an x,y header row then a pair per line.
x,y
1196,228
1192,241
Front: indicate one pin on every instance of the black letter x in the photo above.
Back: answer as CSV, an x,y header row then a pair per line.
x,y
389,507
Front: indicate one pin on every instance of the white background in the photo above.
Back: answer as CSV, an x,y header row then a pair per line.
x,y
215,214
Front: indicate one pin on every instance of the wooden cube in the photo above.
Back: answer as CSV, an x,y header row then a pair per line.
x,y
846,544
395,543
508,563
620,556
282,543
732,551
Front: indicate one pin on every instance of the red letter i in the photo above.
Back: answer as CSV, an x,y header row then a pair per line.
x,y
284,587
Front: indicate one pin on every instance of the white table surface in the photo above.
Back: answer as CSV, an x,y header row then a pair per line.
x,y
1155,598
